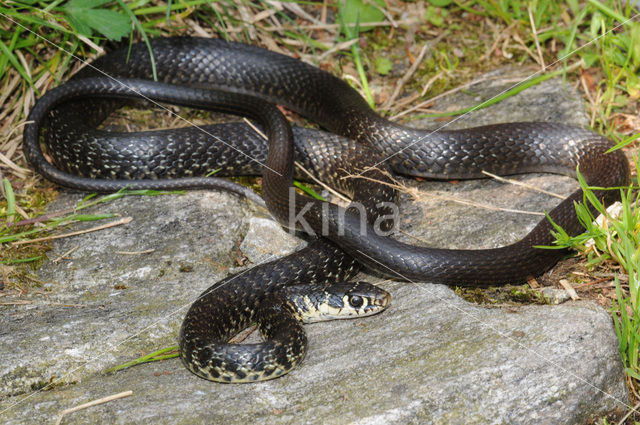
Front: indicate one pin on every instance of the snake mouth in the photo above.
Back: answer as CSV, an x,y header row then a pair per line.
x,y
383,301
378,304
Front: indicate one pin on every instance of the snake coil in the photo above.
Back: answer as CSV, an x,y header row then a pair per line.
x,y
189,68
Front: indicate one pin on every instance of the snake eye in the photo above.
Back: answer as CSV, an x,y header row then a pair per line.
x,y
356,301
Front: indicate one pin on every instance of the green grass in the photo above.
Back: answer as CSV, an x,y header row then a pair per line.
x,y
16,234
156,356
350,14
26,24
599,35
615,240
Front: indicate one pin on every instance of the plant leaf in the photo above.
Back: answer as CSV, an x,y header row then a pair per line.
x,y
84,16
79,26
353,12
383,65
109,23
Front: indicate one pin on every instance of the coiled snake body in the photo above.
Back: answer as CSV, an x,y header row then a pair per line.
x,y
189,67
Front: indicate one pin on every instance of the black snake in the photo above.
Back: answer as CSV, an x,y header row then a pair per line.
x,y
188,67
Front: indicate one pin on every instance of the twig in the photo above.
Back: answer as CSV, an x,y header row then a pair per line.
x,y
452,91
522,184
91,44
485,206
535,39
254,128
416,194
402,81
295,8
91,404
432,80
124,220
22,212
146,251
61,257
493,47
338,47
12,165
524,47
633,409
587,92
570,290
412,236
18,302
608,280
337,26
323,13
43,217
324,186
241,336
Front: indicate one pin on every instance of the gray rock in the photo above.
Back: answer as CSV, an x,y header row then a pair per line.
x,y
430,358
555,295
550,100
92,302
266,240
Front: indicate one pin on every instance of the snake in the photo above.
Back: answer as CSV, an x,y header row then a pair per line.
x,y
278,296
190,69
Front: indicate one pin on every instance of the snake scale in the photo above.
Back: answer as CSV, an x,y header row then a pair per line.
x,y
189,69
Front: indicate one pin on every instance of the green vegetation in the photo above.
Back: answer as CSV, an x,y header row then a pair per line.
x,y
614,241
162,354
26,241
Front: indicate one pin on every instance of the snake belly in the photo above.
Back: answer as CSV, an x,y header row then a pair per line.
x,y
508,148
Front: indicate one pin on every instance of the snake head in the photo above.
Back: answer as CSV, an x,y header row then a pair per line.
x,y
342,300
364,299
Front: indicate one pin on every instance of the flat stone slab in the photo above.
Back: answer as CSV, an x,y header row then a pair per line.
x,y
430,358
